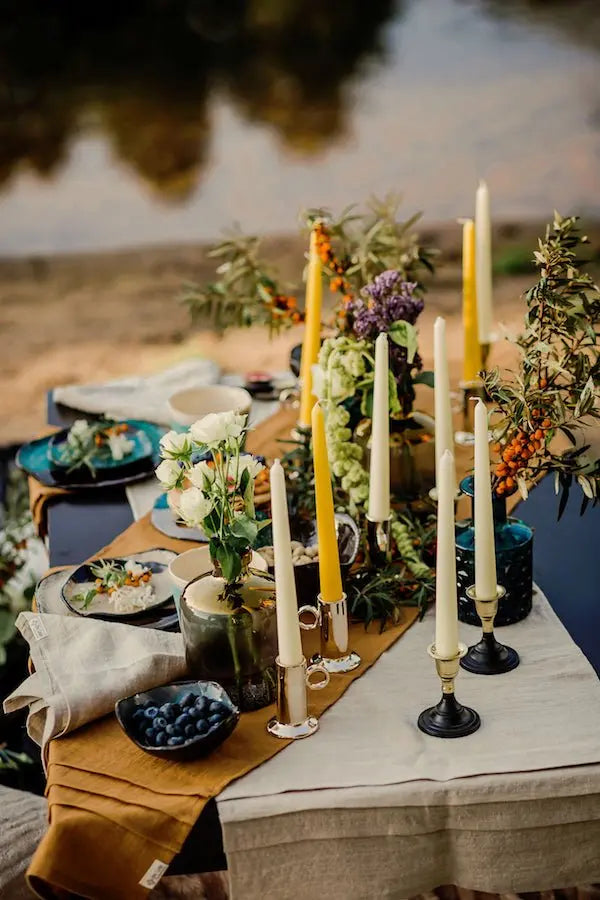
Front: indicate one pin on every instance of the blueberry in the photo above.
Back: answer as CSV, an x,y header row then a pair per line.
x,y
217,707
187,699
149,735
160,723
214,720
176,709
166,712
161,739
183,720
139,715
175,741
172,729
201,703
190,731
151,712
194,713
202,726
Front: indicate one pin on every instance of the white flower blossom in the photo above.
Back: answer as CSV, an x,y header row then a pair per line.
x,y
169,473
218,428
246,463
174,445
202,474
194,506
119,446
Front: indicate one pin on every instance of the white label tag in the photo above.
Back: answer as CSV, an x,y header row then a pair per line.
x,y
38,629
154,874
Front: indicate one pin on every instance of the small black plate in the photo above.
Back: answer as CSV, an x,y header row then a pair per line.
x,y
195,747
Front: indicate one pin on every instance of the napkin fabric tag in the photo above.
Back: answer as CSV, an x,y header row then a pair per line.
x,y
153,875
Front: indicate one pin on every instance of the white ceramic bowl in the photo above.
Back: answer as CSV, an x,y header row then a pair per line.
x,y
186,407
187,566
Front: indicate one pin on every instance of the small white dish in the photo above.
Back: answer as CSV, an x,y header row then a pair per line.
x,y
186,407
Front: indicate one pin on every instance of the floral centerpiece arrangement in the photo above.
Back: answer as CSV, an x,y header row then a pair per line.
x,y
211,486
542,407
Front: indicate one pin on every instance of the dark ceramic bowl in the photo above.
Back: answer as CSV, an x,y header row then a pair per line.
x,y
307,575
194,747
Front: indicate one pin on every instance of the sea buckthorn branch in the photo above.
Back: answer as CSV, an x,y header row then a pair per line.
x,y
557,386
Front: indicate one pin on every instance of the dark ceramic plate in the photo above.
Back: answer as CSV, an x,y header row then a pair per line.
x,y
307,575
33,459
99,608
195,747
140,457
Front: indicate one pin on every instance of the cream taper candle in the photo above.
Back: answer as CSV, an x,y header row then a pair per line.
x,y
446,606
444,439
288,626
379,474
485,551
483,263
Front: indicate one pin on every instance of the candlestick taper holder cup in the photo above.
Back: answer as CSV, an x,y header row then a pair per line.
x,y
333,621
292,720
449,719
379,542
470,390
488,657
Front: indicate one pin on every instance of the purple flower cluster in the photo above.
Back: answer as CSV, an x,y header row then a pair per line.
x,y
386,300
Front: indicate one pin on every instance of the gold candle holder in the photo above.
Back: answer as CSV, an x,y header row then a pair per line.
x,y
292,720
488,657
470,390
379,541
333,621
448,719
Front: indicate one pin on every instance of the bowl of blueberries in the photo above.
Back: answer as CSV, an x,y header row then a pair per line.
x,y
181,721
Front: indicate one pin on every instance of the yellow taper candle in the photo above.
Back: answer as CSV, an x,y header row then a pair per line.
x,y
329,560
472,349
312,332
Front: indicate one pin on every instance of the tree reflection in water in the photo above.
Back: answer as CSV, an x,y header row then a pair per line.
x,y
143,73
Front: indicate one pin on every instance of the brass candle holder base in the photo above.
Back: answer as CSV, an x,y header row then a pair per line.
x,y
448,719
332,618
292,721
488,657
379,542
470,390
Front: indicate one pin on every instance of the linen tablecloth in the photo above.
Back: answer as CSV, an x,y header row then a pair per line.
x,y
370,807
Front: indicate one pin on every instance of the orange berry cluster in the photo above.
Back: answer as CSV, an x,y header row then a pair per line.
x,y
284,306
130,581
516,452
338,282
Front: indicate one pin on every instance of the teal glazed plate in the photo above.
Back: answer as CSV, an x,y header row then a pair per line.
x,y
33,458
164,520
142,450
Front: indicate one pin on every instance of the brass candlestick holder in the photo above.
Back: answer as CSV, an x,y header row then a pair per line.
x,y
292,720
488,657
449,719
333,621
379,541
470,390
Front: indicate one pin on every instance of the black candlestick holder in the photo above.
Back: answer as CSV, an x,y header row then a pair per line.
x,y
448,719
489,656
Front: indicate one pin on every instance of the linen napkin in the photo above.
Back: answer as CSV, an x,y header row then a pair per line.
x,y
138,397
82,666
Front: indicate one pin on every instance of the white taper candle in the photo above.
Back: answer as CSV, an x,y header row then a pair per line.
x,y
446,607
444,439
485,552
288,626
379,476
483,262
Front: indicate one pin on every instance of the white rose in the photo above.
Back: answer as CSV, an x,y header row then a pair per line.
x,y
174,444
217,428
246,462
194,506
169,473
201,473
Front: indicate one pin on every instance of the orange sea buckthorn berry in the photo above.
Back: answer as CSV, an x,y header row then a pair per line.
x,y
543,382
546,423
496,448
510,482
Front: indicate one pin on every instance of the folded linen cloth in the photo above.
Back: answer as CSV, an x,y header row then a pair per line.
x,y
139,397
82,666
